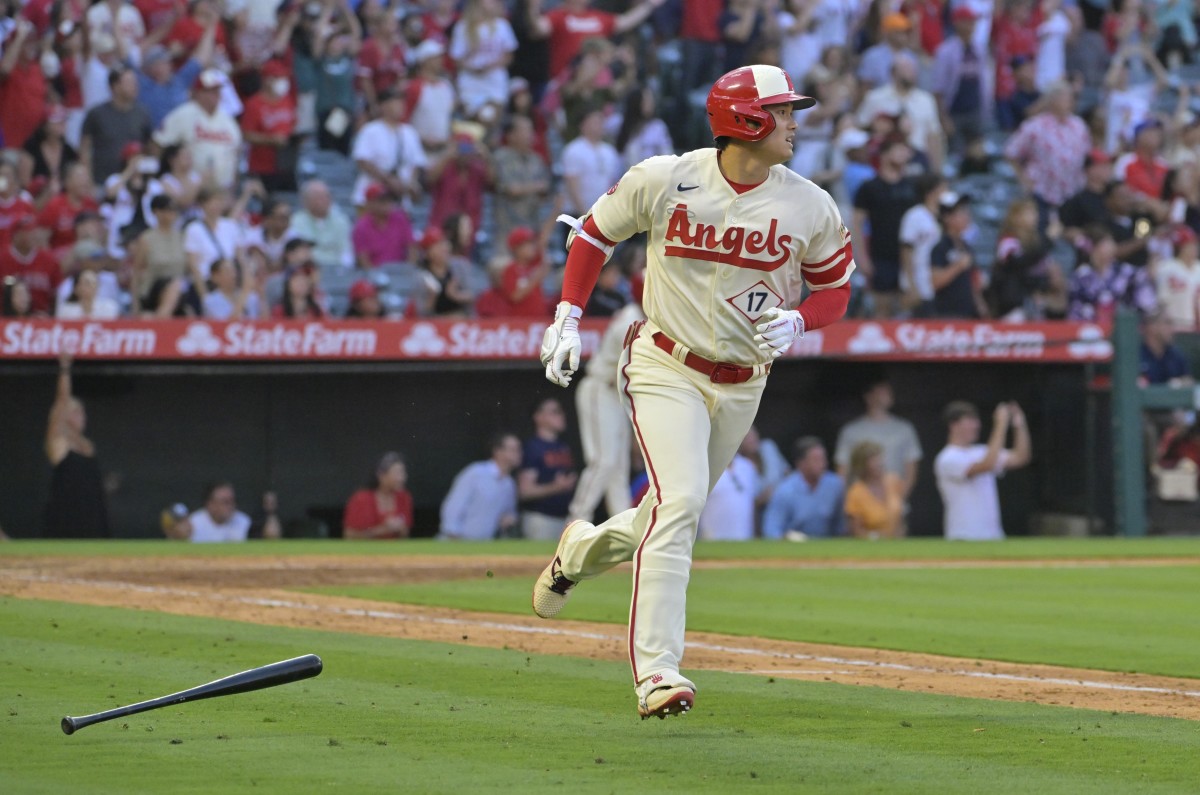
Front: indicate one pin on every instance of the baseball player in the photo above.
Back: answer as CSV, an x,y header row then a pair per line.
x,y
603,427
733,237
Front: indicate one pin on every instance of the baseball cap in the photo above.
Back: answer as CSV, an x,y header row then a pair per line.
x,y
131,150
1146,124
430,48
103,43
520,236
162,202
1182,235
295,243
963,14
88,215
155,54
389,93
274,69
377,191
1020,60
1096,156
950,201
517,84
208,80
431,237
25,221
895,22
362,289
852,138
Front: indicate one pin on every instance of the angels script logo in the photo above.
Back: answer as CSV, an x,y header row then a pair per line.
x,y
699,241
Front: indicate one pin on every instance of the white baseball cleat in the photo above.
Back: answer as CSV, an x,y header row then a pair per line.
x,y
552,589
666,701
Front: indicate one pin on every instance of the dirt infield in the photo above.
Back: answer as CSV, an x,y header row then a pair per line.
x,y
256,590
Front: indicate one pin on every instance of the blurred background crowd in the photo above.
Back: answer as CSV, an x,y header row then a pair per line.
x,y
1008,159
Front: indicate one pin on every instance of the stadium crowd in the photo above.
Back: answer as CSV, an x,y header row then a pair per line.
x,y
1010,159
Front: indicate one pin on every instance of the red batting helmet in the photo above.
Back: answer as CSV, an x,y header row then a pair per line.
x,y
738,98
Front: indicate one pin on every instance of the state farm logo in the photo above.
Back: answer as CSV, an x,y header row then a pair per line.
x,y
198,340
870,339
423,340
1090,344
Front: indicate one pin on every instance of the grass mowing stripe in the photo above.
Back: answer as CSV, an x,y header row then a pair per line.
x,y
1120,619
391,716
907,549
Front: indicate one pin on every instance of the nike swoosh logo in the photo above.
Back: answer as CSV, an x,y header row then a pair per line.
x,y
682,187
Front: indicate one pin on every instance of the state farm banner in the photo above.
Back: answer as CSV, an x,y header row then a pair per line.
x,y
513,339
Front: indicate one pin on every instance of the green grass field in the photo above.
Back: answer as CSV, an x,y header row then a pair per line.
x,y
402,716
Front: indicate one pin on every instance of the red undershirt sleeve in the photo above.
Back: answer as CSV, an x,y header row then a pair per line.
x,y
823,307
584,262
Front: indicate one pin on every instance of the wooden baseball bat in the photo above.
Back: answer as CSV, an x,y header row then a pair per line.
x,y
279,673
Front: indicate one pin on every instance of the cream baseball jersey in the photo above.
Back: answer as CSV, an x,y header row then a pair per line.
x,y
717,260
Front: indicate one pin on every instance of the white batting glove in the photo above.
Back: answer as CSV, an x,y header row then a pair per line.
x,y
779,329
560,344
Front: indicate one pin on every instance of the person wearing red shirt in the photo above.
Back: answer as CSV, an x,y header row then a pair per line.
x,y
267,125
42,13
573,21
160,13
385,508
1144,170
58,215
14,202
381,61
1014,33
25,260
185,35
23,86
521,281
458,181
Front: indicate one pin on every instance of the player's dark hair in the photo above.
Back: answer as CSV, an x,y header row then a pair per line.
x,y
803,445
211,487
957,410
722,142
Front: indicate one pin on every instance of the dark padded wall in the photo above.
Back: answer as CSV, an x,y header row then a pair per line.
x,y
313,436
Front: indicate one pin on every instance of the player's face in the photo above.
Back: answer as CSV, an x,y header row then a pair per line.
x,y
778,145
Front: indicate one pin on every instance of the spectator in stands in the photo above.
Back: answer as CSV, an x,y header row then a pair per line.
x,y
107,286
522,180
520,103
23,86
729,512
482,44
161,265
960,83
1104,283
920,231
60,211
445,287
364,302
1180,200
78,504
208,130
110,127
875,65
522,277
384,509
642,134
569,24
1185,147
590,165
388,152
334,53
1130,221
874,497
325,224
178,177
214,236
1025,98
1178,280
966,471
1013,36
162,87
459,229
1052,33
851,146
1087,58
957,282
458,180
746,27
896,436
607,298
382,234
67,49
431,99
547,477
117,18
915,103
1144,169
232,295
14,201
1048,150
299,295
268,125
51,153
1087,206
27,260
599,78
770,467
220,520
18,302
381,61
482,501
1159,360
264,243
879,205
1134,77
84,303
808,502
1027,283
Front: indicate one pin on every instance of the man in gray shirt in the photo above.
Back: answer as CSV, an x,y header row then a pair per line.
x,y
483,499
901,448
109,127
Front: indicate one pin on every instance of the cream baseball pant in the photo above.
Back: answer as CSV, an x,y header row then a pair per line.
x,y
604,431
688,429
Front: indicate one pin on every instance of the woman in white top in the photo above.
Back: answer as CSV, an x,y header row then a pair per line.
x,y
85,303
212,236
642,133
179,179
482,45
